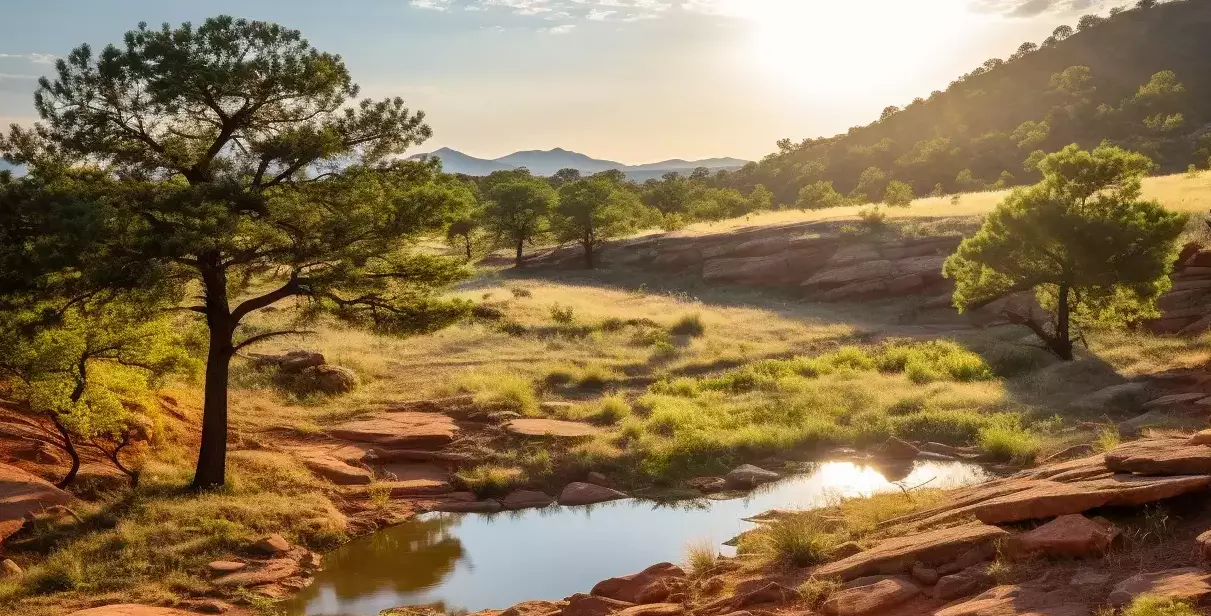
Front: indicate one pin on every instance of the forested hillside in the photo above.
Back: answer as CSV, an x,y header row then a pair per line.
x,y
1136,78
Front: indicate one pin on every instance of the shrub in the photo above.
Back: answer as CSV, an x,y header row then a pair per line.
x,y
793,541
491,480
1149,605
612,324
562,315
816,591
1009,442
684,387
501,391
596,376
521,292
689,325
956,427
1107,438
611,410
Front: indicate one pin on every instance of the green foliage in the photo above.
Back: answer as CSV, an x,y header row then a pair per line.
x,y
897,194
249,162
819,196
1083,239
1009,442
519,209
1152,605
871,184
594,210
562,315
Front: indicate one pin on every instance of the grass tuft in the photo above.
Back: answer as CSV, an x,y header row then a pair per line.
x,y
689,325
701,558
1150,605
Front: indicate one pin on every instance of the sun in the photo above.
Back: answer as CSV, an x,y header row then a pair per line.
x,y
840,47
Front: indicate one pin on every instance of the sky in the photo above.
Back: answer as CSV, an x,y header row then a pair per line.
x,y
634,81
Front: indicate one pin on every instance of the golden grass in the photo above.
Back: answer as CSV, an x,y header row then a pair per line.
x,y
1177,192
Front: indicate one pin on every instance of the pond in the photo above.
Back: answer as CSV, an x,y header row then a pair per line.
x,y
492,561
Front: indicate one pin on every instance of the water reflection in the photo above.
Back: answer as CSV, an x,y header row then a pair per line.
x,y
477,561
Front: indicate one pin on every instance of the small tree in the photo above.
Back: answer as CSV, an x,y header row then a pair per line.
x,y
243,159
77,364
592,211
898,194
1083,240
519,211
819,196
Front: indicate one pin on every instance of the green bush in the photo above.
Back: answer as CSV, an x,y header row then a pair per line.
x,y
1008,442
1148,605
611,410
563,315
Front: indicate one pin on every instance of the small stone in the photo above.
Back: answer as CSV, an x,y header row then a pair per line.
x,y
1090,578
10,570
712,586
272,545
332,379
1204,544
924,574
226,566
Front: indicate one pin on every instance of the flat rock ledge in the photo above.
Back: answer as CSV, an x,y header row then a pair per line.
x,y
580,493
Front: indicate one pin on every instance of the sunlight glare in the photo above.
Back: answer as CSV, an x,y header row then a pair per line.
x,y
841,47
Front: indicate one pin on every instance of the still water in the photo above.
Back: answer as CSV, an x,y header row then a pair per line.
x,y
480,561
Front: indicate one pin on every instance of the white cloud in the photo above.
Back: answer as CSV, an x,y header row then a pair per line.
x,y
1031,8
564,29
36,58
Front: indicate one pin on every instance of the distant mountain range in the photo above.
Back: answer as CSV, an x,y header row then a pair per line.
x,y
547,162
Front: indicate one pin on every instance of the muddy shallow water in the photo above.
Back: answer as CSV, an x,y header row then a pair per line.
x,y
485,561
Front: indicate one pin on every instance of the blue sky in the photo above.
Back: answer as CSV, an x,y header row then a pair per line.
x,y
630,80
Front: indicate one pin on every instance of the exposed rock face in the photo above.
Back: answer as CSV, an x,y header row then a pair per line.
x,y
1160,457
1069,535
587,493
1018,601
654,609
551,428
400,430
416,479
924,575
870,599
1190,584
272,571
652,585
226,566
527,499
459,506
900,554
1069,487
1125,398
748,476
22,493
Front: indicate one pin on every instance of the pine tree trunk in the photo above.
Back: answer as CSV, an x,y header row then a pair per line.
x,y
212,455
468,244
1061,344
521,245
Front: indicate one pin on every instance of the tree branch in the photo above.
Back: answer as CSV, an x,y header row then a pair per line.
x,y
291,288
266,336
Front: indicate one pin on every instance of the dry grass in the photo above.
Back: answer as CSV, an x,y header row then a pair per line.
x,y
1178,192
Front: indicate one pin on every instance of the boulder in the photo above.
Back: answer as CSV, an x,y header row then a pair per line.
x,y
897,449
294,362
1204,544
869,599
22,494
652,585
1124,398
338,472
1187,584
1074,536
527,499
1172,400
1090,578
654,609
130,609
589,605
1202,437
399,430
766,270
417,479
10,570
1075,451
272,545
749,476
551,428
968,581
331,380
580,493
899,554
707,485
1161,419
1018,601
